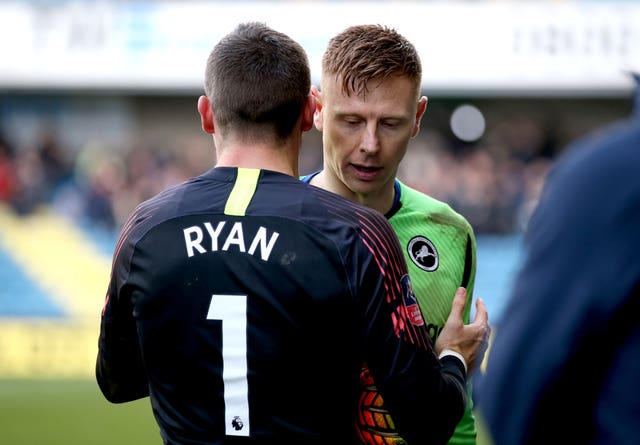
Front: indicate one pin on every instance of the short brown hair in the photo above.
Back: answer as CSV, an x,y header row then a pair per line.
x,y
257,80
363,53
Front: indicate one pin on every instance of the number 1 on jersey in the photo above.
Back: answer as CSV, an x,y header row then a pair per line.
x,y
232,311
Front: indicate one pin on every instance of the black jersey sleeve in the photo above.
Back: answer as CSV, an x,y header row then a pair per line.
x,y
120,371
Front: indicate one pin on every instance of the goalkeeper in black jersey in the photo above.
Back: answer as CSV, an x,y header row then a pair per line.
x,y
243,302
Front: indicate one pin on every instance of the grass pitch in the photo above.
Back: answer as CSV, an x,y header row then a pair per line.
x,y
71,412
74,412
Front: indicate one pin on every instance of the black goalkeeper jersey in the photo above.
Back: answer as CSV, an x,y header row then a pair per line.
x,y
244,303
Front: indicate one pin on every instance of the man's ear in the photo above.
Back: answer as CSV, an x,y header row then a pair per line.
x,y
308,112
422,108
317,115
206,114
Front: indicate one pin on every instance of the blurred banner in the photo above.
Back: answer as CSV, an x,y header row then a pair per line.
x,y
490,48
52,333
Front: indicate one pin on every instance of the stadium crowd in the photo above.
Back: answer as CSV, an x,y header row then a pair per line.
x,y
494,182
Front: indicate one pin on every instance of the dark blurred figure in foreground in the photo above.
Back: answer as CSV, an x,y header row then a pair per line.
x,y
565,362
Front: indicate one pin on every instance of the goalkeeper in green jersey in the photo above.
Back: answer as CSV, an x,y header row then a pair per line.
x,y
368,108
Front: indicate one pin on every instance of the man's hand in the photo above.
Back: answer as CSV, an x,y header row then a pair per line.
x,y
472,340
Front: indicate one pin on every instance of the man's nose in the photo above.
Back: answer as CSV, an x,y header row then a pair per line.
x,y
370,142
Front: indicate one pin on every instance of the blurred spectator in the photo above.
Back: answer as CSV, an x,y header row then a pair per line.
x,y
7,176
31,187
57,168
35,174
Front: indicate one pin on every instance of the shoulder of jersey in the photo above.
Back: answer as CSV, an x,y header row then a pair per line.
x,y
413,198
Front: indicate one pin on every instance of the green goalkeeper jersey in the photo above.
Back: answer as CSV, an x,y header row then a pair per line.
x,y
440,249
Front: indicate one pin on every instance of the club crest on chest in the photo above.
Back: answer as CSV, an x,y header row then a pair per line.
x,y
423,253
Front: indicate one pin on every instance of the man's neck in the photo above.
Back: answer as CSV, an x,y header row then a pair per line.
x,y
381,200
266,157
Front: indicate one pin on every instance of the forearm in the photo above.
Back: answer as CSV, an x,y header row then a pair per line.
x,y
120,372
120,382
432,405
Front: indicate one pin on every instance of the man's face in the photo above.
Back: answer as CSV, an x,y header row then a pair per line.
x,y
364,139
